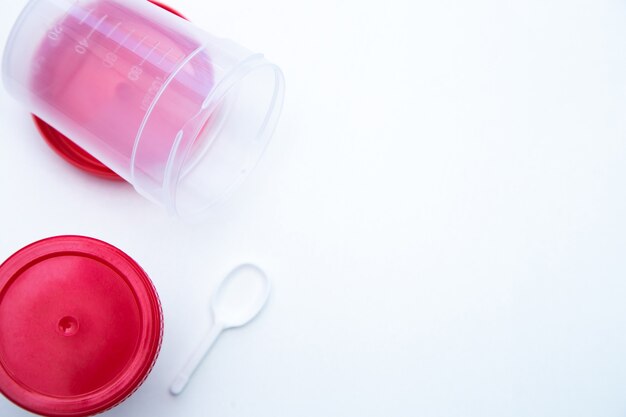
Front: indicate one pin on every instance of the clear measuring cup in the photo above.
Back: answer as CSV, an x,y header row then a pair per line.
x,y
180,114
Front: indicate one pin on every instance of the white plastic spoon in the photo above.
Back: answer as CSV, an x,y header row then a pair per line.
x,y
239,298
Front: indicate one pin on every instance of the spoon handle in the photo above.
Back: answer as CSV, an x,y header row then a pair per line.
x,y
195,360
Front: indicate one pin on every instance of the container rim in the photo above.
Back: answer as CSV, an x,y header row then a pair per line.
x,y
175,172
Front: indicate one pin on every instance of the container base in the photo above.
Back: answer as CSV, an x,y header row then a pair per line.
x,y
73,153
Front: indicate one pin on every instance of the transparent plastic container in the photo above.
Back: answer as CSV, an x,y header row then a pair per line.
x,y
180,114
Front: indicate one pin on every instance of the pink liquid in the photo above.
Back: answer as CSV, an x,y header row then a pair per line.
x,y
101,70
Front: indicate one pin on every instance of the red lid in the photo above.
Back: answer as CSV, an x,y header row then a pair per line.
x,y
80,326
73,153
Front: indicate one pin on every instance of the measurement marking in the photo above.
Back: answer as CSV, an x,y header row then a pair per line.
x,y
124,41
97,25
114,29
150,53
140,42
164,56
86,16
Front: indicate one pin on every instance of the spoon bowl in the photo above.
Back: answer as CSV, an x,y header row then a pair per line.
x,y
241,296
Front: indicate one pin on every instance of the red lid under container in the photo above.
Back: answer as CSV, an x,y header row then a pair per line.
x,y
80,326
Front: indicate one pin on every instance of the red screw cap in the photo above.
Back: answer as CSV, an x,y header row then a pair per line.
x,y
80,326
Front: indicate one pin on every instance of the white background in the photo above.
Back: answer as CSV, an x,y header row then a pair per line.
x,y
441,212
